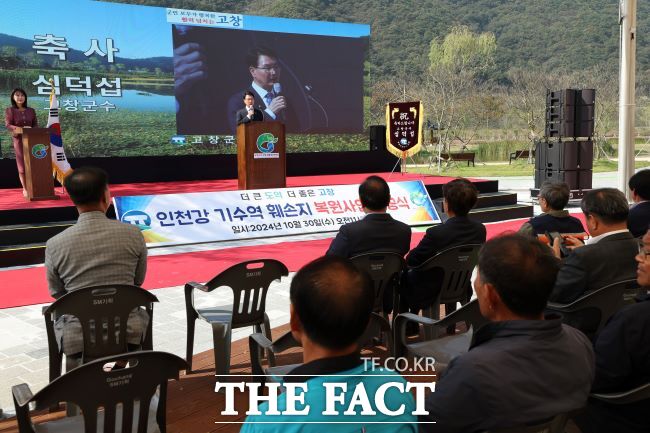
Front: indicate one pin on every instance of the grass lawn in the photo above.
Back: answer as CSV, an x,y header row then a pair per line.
x,y
518,168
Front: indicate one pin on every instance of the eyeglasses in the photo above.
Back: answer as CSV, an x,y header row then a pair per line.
x,y
274,68
643,249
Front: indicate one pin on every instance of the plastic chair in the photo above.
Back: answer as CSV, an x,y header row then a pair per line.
x,y
99,310
121,393
632,396
457,264
443,349
553,425
258,342
590,312
385,270
249,282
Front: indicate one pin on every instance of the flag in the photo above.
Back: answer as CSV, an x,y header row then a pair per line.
x,y
60,164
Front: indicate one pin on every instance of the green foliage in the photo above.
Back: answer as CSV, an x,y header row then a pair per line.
x,y
462,49
545,35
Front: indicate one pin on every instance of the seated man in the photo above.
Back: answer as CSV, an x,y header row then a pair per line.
x,y
639,217
520,368
623,362
331,302
377,231
553,197
95,251
459,197
607,257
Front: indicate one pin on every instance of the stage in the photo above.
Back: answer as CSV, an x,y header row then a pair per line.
x,y
26,226
13,200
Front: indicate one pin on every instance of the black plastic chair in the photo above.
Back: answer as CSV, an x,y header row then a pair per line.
x,y
102,312
249,282
441,350
591,312
553,425
457,264
258,342
632,396
127,396
385,269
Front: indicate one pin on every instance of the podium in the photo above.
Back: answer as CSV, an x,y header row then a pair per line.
x,y
38,164
261,155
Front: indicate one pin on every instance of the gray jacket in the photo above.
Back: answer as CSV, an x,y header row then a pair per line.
x,y
95,251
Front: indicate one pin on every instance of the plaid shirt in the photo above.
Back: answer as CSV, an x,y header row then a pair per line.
x,y
95,251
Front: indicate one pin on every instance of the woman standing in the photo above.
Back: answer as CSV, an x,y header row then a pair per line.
x,y
17,117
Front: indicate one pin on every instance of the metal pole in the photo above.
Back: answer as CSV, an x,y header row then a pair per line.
x,y
627,22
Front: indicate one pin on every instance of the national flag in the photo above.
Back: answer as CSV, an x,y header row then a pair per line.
x,y
60,164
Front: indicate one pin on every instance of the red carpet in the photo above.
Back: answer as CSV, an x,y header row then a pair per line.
x,y
13,198
28,286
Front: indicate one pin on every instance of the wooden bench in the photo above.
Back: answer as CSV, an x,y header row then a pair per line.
x,y
520,154
460,156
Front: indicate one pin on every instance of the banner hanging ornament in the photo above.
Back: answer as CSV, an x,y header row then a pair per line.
x,y
404,128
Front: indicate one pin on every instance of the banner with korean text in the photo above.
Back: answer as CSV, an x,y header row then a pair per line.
x,y
175,219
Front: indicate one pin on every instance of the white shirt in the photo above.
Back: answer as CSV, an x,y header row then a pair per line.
x,y
604,235
262,92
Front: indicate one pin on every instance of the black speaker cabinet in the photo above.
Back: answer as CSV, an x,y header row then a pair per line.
x,y
570,113
377,137
564,155
576,179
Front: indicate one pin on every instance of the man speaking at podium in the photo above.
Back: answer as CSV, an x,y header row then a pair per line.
x,y
249,113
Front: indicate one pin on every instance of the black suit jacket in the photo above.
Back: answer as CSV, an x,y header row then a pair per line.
x,y
455,231
242,116
639,219
593,266
287,116
375,232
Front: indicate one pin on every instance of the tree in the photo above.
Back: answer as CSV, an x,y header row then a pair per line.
x,y
457,64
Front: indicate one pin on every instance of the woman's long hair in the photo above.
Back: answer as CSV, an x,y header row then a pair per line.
x,y
16,90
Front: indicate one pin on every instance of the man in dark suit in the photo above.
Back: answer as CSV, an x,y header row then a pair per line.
x,y
639,217
607,257
377,231
265,70
623,362
459,197
249,113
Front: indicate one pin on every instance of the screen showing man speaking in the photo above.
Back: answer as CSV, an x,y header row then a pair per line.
x,y
311,83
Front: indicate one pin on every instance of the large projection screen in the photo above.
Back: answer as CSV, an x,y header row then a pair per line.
x,y
149,81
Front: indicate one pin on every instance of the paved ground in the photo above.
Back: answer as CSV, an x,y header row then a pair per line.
x,y
23,343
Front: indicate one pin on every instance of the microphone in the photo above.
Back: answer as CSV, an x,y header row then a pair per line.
x,y
277,88
309,88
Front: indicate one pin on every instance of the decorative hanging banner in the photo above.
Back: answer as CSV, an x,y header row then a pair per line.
x,y
176,219
404,128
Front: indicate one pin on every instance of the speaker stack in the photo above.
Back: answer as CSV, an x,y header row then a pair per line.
x,y
566,154
377,137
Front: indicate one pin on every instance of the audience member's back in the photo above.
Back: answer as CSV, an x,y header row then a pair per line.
x,y
377,231
553,198
108,254
520,368
96,250
331,303
607,257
